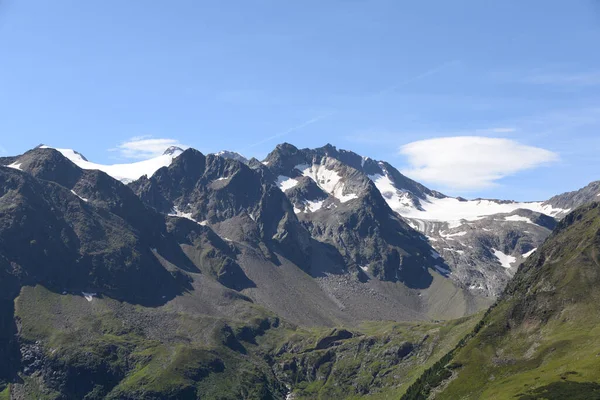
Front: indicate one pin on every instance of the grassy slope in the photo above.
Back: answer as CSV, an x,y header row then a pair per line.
x,y
194,353
541,340
367,365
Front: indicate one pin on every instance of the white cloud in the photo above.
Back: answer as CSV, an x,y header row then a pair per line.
x,y
470,162
502,130
143,147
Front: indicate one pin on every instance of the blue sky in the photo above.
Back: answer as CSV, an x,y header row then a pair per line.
x,y
369,76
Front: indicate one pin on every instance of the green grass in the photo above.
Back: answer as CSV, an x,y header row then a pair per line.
x,y
95,338
541,339
5,394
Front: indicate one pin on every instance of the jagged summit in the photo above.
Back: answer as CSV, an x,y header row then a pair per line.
x,y
232,155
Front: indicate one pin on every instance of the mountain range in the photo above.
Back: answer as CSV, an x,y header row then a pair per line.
x,y
214,276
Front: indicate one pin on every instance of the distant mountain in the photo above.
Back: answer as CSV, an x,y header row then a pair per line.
x,y
340,206
193,275
123,172
572,200
540,340
232,155
477,243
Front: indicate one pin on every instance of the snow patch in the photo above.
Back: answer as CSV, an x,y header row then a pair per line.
x,y
15,165
177,213
435,254
452,235
525,255
327,179
518,218
505,259
82,198
461,252
88,296
398,200
314,205
285,182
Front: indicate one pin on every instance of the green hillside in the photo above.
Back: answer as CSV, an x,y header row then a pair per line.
x,y
542,338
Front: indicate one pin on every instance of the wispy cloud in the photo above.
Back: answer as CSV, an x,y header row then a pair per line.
x,y
470,162
2,150
564,79
290,130
143,147
416,78
379,93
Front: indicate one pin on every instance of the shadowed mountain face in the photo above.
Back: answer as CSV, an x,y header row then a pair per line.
x,y
230,197
541,337
51,236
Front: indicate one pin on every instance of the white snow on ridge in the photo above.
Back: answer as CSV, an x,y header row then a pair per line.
x,y
15,165
518,218
123,172
327,179
314,205
505,259
285,182
176,213
84,199
525,255
451,235
450,209
398,200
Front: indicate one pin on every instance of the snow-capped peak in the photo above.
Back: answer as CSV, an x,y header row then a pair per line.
x,y
232,155
123,172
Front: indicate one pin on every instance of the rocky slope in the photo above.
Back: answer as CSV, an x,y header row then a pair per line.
x,y
577,198
340,206
478,244
106,295
213,276
540,339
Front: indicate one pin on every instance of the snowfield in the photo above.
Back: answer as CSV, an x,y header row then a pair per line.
x,y
285,182
123,172
453,210
327,179
505,260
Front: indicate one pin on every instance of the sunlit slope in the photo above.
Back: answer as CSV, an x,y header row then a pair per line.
x,y
542,339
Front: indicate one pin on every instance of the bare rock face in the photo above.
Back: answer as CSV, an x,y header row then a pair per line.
x,y
478,244
232,199
341,206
